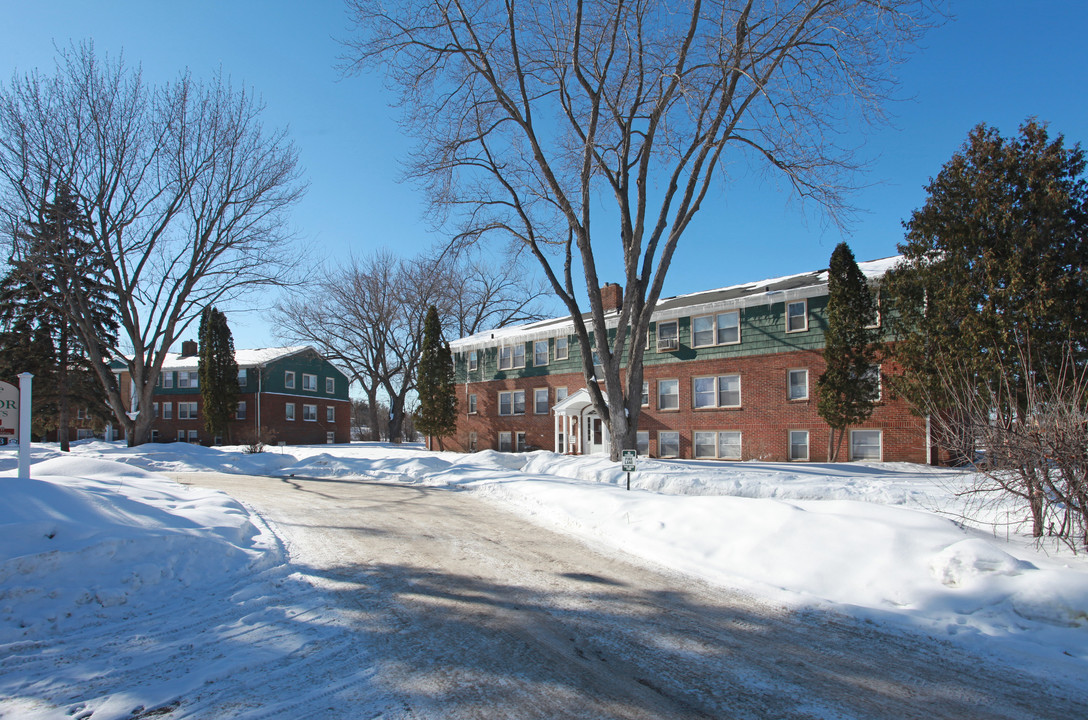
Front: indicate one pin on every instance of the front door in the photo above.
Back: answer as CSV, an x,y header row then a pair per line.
x,y
595,435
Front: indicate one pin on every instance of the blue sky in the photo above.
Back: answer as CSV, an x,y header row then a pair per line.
x,y
995,61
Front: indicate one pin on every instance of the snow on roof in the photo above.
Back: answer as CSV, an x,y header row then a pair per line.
x,y
762,292
244,358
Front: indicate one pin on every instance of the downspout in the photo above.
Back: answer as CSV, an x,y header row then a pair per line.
x,y
257,431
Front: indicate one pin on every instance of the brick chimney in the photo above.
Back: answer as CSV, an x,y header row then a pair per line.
x,y
611,297
188,348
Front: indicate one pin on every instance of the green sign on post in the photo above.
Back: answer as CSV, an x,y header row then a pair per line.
x,y
629,464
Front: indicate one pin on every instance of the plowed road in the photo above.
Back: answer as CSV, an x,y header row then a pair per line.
x,y
467,611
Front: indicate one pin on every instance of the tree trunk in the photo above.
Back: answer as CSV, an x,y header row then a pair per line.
x,y
63,408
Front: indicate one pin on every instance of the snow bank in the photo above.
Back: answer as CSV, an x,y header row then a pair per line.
x,y
85,537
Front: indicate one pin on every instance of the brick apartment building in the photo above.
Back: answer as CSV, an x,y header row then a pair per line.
x,y
288,394
729,374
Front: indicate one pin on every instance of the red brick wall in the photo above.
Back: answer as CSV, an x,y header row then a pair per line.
x,y
765,417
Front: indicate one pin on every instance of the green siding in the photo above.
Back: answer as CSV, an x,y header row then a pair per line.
x,y
762,332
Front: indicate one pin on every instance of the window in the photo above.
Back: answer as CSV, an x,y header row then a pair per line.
x,y
540,401
217,440
330,385
876,311
193,437
188,379
716,392
154,436
289,379
472,441
330,438
797,316
81,414
729,446
873,376
330,414
473,360
472,404
512,402
289,412
155,409
561,348
717,445
798,444
240,413
560,394
798,384
168,411
168,379
309,382
646,393
668,336
309,413
241,377
642,442
668,394
84,434
668,444
512,356
706,444
504,442
187,411
519,442
865,445
720,329
181,436
540,353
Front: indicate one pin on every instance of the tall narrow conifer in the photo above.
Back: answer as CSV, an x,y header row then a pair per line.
x,y
218,372
849,386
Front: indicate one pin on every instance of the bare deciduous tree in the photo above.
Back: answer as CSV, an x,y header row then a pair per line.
x,y
369,317
185,191
1030,440
530,114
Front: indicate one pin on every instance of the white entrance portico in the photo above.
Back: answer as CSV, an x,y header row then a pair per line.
x,y
578,428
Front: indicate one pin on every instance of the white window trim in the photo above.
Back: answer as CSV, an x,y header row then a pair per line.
x,y
660,407
717,392
717,444
472,406
473,361
168,379
536,409
330,414
309,412
309,382
513,404
289,412
808,446
240,410
804,315
659,443
168,411
715,330
880,440
330,386
506,441
547,353
566,349
645,393
668,345
789,384
289,379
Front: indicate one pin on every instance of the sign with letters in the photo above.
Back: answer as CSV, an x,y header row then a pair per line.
x,y
629,460
9,413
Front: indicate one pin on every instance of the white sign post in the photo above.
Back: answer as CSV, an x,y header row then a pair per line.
x,y
26,382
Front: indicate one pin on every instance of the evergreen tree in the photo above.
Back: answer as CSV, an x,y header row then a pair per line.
x,y
849,385
56,277
218,372
437,414
994,271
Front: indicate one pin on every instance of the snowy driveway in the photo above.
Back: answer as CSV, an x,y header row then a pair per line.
x,y
466,611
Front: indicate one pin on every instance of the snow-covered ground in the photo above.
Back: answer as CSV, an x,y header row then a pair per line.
x,y
99,537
